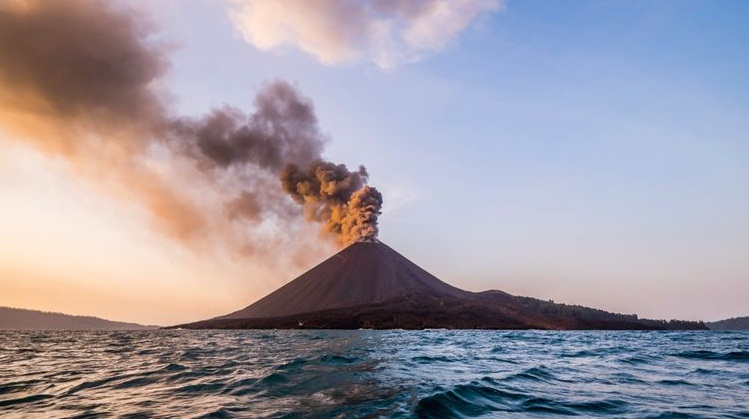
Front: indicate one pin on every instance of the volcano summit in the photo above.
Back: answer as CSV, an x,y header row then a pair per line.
x,y
370,285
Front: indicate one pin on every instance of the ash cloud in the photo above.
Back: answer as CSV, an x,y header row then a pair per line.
x,y
79,63
82,79
337,197
79,79
283,129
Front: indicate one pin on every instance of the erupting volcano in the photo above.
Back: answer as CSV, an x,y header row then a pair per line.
x,y
370,285
362,273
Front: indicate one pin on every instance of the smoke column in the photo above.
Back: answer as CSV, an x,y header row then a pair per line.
x,y
81,79
339,198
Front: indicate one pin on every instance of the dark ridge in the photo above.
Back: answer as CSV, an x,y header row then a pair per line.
x,y
368,285
735,323
22,319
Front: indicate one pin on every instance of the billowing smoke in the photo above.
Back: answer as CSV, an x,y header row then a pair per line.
x,y
282,137
337,197
283,129
81,79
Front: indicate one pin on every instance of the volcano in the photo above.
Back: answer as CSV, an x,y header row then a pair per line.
x,y
370,285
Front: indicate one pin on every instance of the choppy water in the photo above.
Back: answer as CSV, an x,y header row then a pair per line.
x,y
431,374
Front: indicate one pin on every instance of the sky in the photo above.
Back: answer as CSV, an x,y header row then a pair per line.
x,y
588,152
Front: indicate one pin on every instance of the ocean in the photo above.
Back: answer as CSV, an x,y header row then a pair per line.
x,y
369,374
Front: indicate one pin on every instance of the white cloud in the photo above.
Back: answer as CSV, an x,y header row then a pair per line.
x,y
386,32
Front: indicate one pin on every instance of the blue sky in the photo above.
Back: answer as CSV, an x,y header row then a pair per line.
x,y
590,152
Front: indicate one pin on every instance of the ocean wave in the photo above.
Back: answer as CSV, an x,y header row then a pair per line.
x,y
715,356
541,374
486,396
401,374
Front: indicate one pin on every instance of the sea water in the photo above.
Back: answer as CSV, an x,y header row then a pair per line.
x,y
365,373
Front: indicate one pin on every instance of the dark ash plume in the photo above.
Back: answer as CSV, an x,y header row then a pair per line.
x,y
282,138
363,209
79,62
339,198
79,78
283,129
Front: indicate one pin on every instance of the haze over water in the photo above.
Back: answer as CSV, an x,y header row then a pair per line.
x,y
293,373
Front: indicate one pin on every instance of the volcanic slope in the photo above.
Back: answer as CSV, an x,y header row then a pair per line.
x,y
362,273
370,285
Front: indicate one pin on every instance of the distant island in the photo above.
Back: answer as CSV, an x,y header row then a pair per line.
x,y
736,323
22,319
371,286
